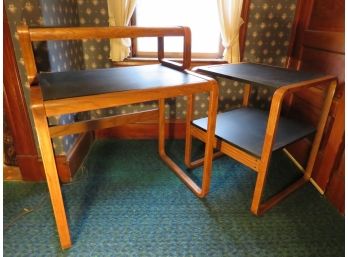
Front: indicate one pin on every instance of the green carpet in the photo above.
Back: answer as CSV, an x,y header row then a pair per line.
x,y
124,201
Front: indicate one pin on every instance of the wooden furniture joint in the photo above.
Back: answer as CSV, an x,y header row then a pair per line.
x,y
250,136
57,93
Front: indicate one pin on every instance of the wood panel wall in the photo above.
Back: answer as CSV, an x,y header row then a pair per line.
x,y
318,45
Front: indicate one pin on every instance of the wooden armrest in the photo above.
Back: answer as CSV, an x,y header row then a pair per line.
x,y
28,35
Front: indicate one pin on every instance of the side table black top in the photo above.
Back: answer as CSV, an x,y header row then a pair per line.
x,y
258,74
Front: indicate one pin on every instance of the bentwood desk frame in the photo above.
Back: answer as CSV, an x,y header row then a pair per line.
x,y
250,136
60,93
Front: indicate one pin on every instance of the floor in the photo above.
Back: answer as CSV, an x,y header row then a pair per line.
x,y
124,201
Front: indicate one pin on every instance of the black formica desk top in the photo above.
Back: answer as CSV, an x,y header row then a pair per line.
x,y
59,85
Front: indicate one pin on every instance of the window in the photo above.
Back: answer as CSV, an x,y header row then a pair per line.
x,y
200,15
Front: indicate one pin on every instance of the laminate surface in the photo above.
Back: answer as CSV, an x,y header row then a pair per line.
x,y
259,74
59,85
245,128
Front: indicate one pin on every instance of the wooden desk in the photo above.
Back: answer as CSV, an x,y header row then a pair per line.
x,y
250,136
58,93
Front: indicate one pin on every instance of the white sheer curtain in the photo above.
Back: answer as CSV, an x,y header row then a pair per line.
x,y
120,13
230,22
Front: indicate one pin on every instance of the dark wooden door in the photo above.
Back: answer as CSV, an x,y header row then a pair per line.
x,y
318,44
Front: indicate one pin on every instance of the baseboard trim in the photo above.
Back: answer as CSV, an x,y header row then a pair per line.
x,y
68,164
12,173
174,130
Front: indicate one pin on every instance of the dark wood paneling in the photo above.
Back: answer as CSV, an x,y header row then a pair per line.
x,y
16,112
325,40
67,165
317,44
327,15
174,130
328,62
333,147
244,27
335,189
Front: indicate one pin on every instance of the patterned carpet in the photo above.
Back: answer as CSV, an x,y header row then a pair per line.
x,y
124,201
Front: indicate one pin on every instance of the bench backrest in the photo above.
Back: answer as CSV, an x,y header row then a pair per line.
x,y
28,35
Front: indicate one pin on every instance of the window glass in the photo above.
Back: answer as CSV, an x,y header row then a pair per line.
x,y
200,15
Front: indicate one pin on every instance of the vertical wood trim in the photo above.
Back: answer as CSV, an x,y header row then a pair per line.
x,y
332,149
134,42
244,28
246,95
294,31
335,189
300,24
320,129
16,109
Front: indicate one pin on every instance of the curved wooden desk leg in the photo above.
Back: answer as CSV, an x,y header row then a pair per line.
x,y
271,131
257,208
209,145
208,153
47,155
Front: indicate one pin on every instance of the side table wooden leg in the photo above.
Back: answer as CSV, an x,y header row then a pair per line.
x,y
208,153
188,139
48,160
259,188
271,131
161,127
188,136
246,95
209,144
320,129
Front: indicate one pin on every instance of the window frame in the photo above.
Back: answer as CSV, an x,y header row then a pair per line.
x,y
199,56
133,59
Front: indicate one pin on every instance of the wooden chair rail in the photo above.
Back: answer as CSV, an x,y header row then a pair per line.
x,y
74,33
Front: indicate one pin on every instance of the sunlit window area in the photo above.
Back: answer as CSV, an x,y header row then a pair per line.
x,y
201,16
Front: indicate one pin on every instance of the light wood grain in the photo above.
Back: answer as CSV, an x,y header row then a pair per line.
x,y
101,123
27,52
261,164
28,35
246,94
202,190
43,109
47,155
